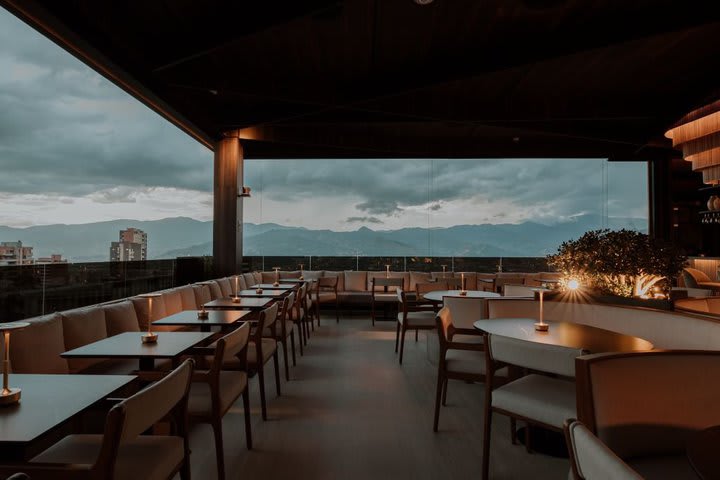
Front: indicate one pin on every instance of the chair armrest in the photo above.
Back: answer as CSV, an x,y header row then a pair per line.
x,y
480,347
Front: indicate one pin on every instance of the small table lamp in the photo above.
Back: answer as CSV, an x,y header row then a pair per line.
x,y
541,326
150,337
9,396
463,292
236,298
276,283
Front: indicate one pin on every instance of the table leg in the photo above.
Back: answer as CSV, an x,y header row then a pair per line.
x,y
147,364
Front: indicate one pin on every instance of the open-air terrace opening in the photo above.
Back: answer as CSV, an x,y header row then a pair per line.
x,y
389,239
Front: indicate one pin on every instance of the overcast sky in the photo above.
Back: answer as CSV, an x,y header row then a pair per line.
x,y
76,149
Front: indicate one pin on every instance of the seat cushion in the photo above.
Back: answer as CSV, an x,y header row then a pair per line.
x,y
37,349
147,457
355,282
386,297
187,297
465,361
173,301
463,338
202,294
421,319
232,384
141,308
120,317
83,326
676,467
225,287
269,346
215,290
325,297
545,399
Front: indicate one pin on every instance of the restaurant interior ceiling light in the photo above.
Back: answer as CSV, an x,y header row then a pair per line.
x,y
423,2
697,134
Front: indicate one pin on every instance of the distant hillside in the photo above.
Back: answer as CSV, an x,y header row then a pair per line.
x,y
175,237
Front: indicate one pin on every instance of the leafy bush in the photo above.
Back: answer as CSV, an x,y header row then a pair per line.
x,y
619,262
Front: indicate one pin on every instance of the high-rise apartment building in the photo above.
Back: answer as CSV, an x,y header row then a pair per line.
x,y
13,253
131,247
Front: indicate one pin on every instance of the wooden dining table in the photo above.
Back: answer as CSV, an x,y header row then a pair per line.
x,y
215,318
437,296
170,345
47,403
265,292
253,304
564,334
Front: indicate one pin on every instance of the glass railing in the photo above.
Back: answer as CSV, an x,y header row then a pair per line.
x,y
401,264
32,290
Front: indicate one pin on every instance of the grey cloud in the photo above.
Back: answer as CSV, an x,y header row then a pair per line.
x,y
121,194
379,207
363,220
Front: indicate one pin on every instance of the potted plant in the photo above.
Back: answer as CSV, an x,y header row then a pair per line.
x,y
622,264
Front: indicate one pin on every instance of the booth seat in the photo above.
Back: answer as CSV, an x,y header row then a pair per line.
x,y
37,349
710,305
664,329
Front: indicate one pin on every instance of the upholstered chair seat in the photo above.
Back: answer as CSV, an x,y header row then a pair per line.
x,y
386,297
269,345
468,339
425,319
325,297
200,399
465,361
544,399
146,457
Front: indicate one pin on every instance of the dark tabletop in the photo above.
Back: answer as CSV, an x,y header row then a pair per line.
x,y
270,286
702,452
564,334
243,304
49,400
215,317
267,292
129,345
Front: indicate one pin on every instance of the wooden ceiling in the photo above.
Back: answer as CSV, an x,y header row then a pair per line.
x,y
390,78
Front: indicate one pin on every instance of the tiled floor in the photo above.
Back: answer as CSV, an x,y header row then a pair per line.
x,y
351,412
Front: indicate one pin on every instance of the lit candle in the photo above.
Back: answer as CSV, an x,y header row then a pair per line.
x,y
387,271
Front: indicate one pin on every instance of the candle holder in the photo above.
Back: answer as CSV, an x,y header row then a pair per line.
x,y
444,267
259,291
8,395
541,326
236,299
387,271
276,283
463,292
150,336
202,314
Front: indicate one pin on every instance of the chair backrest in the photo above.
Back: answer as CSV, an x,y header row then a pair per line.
x,y
697,275
327,284
147,407
536,356
466,310
388,284
591,459
512,290
452,283
648,403
229,346
269,315
445,327
425,287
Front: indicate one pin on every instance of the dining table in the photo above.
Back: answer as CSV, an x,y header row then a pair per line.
x,y
169,345
272,286
564,334
214,318
48,402
437,296
263,292
252,304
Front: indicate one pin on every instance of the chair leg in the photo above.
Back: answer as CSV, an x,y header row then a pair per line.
x,y
292,346
444,398
300,340
372,313
416,334
248,428
337,312
486,440
217,430
276,363
528,447
402,342
438,394
285,359
261,382
397,336
513,431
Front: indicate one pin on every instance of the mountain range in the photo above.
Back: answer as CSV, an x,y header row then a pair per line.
x,y
182,236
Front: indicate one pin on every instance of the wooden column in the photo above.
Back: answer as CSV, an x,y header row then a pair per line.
x,y
227,207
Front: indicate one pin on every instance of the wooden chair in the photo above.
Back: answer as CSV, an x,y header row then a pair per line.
x,y
296,315
284,330
591,459
387,293
645,406
458,361
465,311
262,349
326,293
122,452
535,399
422,288
411,316
213,392
453,283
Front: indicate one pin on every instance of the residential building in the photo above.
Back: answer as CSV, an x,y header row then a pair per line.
x,y
13,253
131,247
134,235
